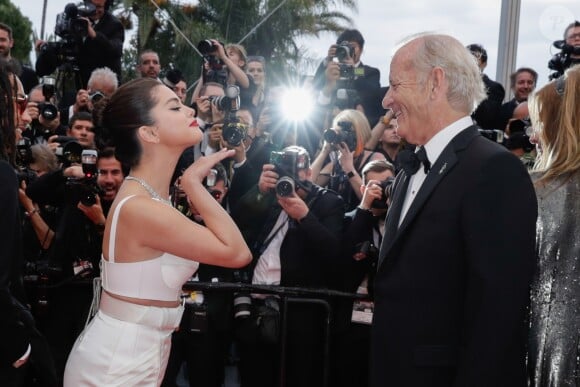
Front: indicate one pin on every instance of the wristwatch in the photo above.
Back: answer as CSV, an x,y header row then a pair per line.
x,y
350,174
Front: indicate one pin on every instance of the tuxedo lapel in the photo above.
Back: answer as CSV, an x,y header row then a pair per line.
x,y
393,215
444,164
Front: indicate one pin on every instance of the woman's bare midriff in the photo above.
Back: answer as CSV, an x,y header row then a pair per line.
x,y
141,301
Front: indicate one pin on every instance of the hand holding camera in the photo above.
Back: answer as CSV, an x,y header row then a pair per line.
x,y
82,101
268,179
372,191
294,206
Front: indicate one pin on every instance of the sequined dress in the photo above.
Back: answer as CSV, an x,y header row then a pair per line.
x,y
554,345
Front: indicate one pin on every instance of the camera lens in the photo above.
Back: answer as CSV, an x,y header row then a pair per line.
x,y
242,305
234,134
285,186
48,111
331,136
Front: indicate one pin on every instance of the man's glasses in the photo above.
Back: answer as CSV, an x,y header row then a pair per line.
x,y
21,102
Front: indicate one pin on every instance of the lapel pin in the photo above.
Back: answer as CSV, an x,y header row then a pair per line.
x,y
443,168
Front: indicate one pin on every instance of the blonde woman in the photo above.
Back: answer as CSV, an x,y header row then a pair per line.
x,y
555,301
340,162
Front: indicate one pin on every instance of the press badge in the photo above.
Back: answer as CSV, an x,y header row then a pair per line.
x,y
362,310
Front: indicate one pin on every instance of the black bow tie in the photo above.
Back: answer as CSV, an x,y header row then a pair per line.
x,y
410,161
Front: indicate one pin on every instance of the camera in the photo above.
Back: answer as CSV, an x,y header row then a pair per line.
x,y
233,131
287,163
46,109
69,150
344,50
495,135
70,25
242,299
23,159
216,72
365,250
385,188
72,29
85,189
343,133
563,59
96,96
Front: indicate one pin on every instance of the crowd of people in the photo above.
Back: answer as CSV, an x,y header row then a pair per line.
x,y
447,214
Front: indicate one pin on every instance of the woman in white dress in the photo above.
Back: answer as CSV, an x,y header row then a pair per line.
x,y
149,248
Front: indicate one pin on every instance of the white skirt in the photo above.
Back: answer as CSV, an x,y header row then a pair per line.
x,y
124,345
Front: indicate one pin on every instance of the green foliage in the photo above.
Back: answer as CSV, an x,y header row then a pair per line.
x,y
230,21
21,30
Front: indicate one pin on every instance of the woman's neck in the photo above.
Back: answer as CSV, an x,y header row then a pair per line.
x,y
157,172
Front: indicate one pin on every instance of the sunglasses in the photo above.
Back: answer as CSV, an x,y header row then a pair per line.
x,y
215,193
21,102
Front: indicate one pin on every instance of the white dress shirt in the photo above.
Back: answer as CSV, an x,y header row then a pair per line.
x,y
433,147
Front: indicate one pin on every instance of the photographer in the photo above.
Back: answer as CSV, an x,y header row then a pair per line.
x,y
249,159
225,65
570,51
99,44
102,83
294,227
487,115
339,164
364,227
522,82
343,70
45,117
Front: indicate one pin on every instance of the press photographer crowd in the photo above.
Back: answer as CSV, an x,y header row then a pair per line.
x,y
396,235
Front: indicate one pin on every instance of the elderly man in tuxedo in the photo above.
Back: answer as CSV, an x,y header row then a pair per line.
x,y
456,261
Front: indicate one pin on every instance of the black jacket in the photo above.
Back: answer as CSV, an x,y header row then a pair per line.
x,y
487,115
105,50
452,282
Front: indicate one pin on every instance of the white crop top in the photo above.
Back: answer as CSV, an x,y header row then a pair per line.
x,y
159,278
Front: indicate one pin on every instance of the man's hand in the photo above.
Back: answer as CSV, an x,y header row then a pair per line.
x,y
372,191
332,75
294,206
91,33
268,179
94,212
82,101
331,52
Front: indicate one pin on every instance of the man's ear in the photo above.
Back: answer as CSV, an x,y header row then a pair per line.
x,y
148,134
437,80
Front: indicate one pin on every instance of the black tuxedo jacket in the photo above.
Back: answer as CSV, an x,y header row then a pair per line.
x,y
451,287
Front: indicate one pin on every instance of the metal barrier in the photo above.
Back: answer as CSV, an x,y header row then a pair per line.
x,y
288,295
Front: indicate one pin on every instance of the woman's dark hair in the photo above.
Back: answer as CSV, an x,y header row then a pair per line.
x,y
128,109
7,125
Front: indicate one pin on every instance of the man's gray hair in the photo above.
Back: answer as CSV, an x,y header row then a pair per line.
x,y
104,74
466,87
